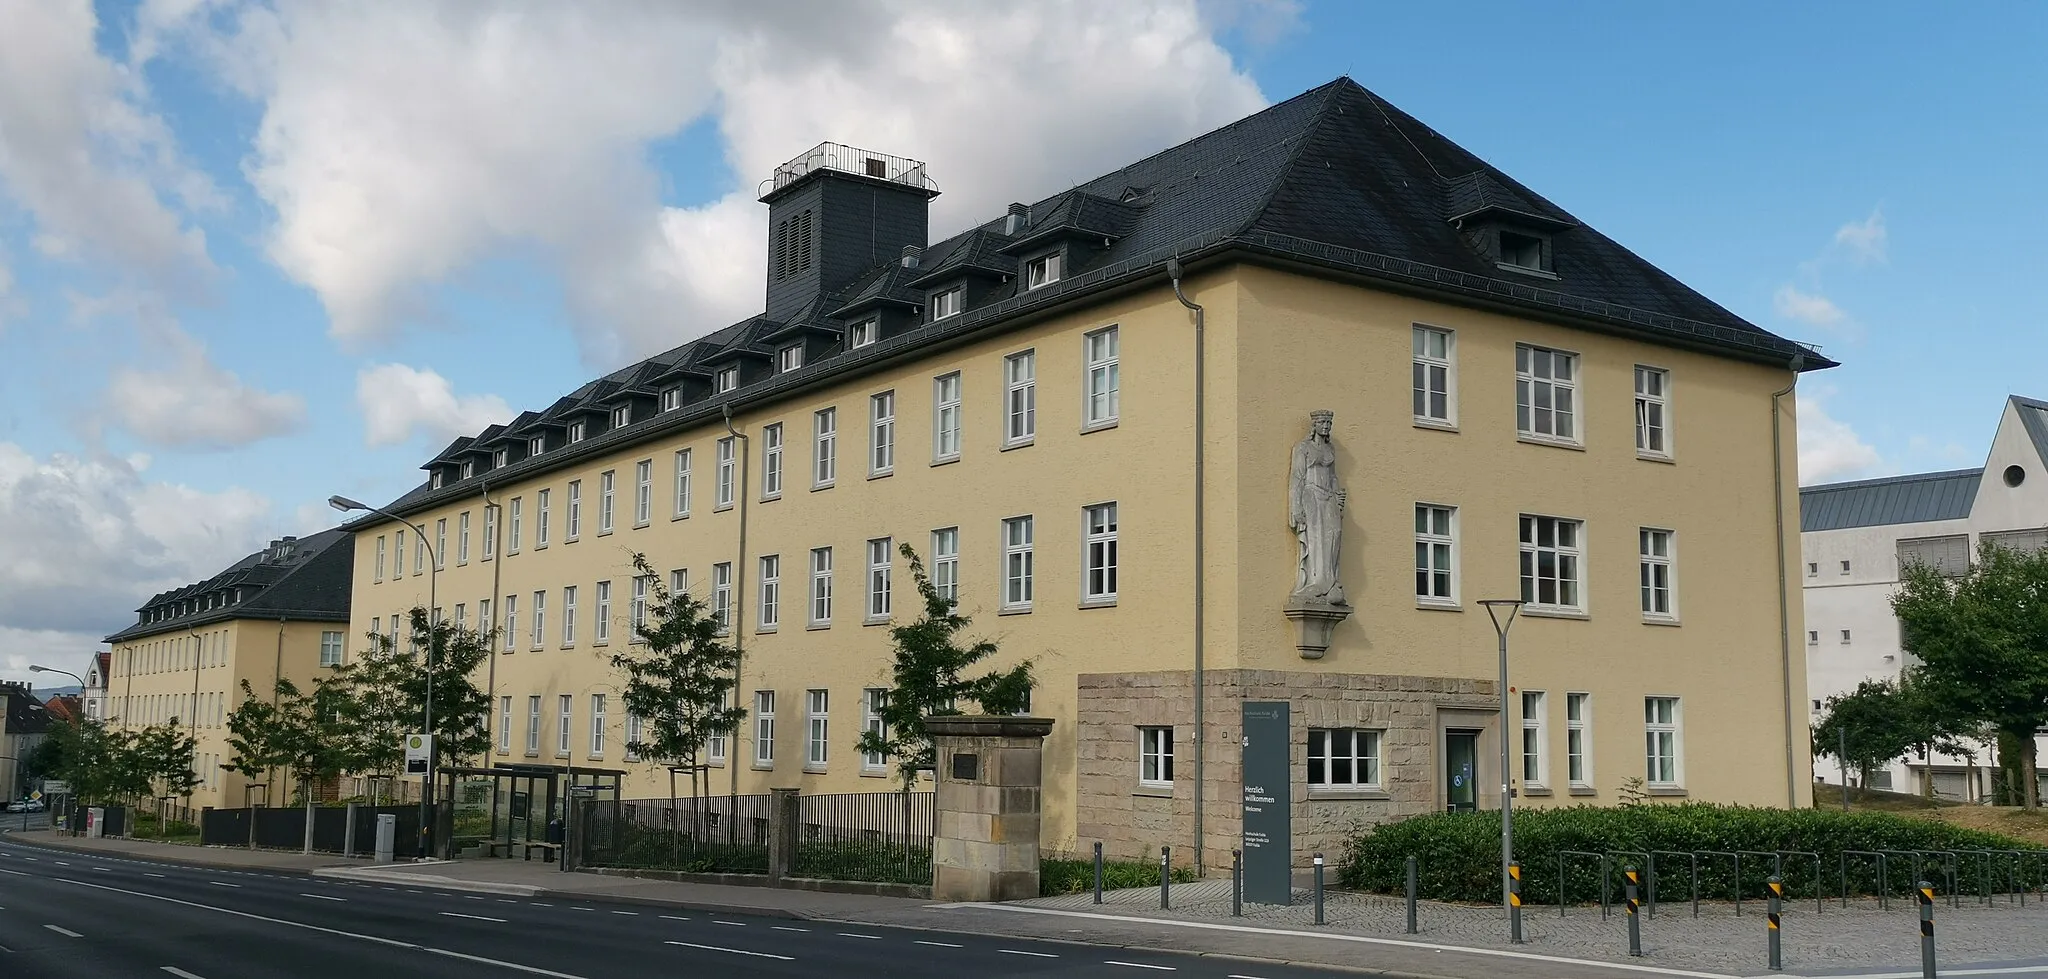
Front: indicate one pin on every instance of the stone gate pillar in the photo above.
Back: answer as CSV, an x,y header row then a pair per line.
x,y
987,805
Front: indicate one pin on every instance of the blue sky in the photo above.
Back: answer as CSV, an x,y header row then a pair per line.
x,y
254,254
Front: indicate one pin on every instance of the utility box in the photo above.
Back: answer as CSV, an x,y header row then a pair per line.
x,y
95,823
387,836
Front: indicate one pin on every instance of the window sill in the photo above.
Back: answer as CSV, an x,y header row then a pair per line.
x,y
533,754
1536,791
540,547
1436,424
678,516
947,461
771,497
1582,791
884,620
1360,794
1154,791
596,757
817,626
1555,613
1015,610
602,642
536,649
1528,438
1101,426
814,769
1668,791
569,645
714,763
604,533
767,630
884,474
1437,605
1663,457
1525,270
1020,444
1087,603
571,539
763,767
822,487
1663,620
640,524
721,508
874,773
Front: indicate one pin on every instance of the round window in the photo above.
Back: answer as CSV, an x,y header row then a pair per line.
x,y
2014,475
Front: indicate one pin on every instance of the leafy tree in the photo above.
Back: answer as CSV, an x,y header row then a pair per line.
x,y
100,763
680,682
1982,643
929,680
306,734
46,759
1871,727
165,754
386,694
259,734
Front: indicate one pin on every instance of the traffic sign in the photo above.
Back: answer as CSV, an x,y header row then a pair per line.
x,y
54,787
35,796
419,752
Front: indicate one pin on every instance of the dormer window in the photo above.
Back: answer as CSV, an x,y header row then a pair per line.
x,y
536,445
948,302
1042,271
499,458
1524,252
671,399
468,468
435,479
725,380
789,358
863,333
577,429
622,416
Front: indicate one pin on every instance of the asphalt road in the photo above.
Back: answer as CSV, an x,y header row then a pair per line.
x,y
68,915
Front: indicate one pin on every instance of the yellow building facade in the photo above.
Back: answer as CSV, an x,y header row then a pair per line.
x,y
1034,437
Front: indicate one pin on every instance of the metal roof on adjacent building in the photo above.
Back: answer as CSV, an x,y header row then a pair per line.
x,y
294,578
1917,498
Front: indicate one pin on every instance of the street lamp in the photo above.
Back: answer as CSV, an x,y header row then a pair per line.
x,y
345,505
1507,792
52,669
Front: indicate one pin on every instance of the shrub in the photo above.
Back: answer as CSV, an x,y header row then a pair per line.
x,y
1070,875
1458,854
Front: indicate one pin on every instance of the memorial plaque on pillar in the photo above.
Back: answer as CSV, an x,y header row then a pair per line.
x,y
1268,796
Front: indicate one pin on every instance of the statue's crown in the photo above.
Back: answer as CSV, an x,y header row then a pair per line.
x,y
1321,414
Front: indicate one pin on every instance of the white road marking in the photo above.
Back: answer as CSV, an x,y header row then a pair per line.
x,y
736,951
16,873
848,934
66,932
323,897
537,904
180,973
506,901
62,863
222,883
674,918
1039,955
501,963
146,874
1140,965
634,914
787,928
582,909
103,870
940,944
1246,977
472,917
735,924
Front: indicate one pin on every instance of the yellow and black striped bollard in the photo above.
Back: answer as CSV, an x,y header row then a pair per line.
x,y
1515,902
1635,925
1926,930
1777,904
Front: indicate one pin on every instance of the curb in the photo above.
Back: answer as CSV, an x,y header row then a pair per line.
x,y
175,858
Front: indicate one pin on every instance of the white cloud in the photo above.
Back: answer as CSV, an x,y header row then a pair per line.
x,y
1829,449
189,401
402,143
89,539
398,401
82,153
1866,240
1810,308
54,648
10,302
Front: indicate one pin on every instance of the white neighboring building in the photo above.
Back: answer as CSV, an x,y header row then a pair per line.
x,y
1856,535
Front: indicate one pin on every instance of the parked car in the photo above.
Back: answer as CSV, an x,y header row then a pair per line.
x,y
26,805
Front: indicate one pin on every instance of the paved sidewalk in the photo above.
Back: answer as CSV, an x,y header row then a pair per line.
x,y
202,856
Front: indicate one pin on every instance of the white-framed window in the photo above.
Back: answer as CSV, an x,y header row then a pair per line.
x,y
1659,590
643,492
536,445
606,493
825,447
1017,564
1663,741
1546,393
468,468
622,416
1653,411
597,725
397,558
540,618
573,520
513,523
1436,545
511,622
872,700
484,622
565,711
1553,559
771,591
1535,765
379,566
1436,379
817,728
863,333
504,725
721,596
679,581
543,502
771,461
1578,739
1098,553
671,398
1020,398
789,358
1343,758
602,626
946,417
462,538
682,487
725,380
1101,401
568,616
500,457
949,302
946,563
878,580
1155,756
1042,271
821,586
637,609
441,544
882,434
764,728
634,730
419,557
578,429
727,478
330,649
533,725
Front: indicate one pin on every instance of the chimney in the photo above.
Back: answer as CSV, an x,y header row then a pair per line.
x,y
911,254
1015,221
834,214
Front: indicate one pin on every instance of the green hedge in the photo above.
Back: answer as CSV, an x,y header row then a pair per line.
x,y
1064,875
1458,854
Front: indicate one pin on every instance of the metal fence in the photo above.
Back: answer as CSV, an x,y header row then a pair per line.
x,y
870,836
707,834
882,837
285,829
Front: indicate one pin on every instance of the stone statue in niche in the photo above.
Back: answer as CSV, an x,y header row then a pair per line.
x,y
1315,510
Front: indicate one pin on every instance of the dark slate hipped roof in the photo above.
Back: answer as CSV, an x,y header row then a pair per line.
x,y
24,714
310,582
1335,182
2034,416
1891,500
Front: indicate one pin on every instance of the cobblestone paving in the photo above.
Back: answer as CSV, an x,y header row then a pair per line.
x,y
1834,938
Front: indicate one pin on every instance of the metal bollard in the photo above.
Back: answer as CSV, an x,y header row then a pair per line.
x,y
1165,876
1411,895
1515,902
1098,873
1319,888
1237,883
1635,925
1926,930
1777,902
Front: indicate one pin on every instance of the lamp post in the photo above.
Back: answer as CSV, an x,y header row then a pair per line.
x,y
52,669
344,504
1507,793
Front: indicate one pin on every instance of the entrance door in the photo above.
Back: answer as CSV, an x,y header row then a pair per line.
x,y
1461,770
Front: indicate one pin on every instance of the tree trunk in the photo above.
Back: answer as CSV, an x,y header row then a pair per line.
x,y
2030,792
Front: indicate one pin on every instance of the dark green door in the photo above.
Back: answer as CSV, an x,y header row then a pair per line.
x,y
1461,770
